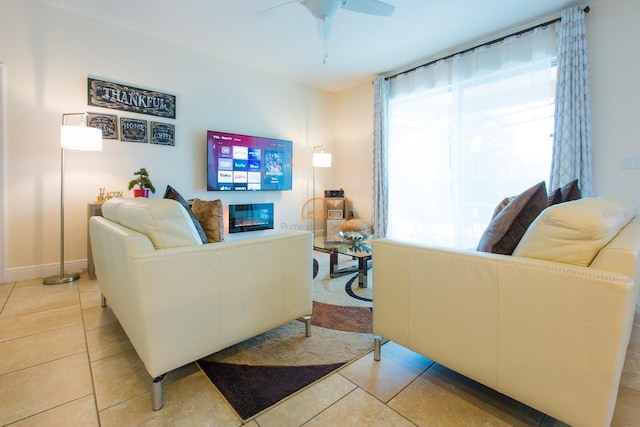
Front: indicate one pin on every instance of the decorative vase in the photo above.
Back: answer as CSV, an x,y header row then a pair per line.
x,y
356,240
144,192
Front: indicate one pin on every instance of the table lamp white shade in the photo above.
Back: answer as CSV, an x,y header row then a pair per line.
x,y
80,138
321,160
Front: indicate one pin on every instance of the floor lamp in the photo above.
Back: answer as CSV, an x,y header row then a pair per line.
x,y
320,160
75,134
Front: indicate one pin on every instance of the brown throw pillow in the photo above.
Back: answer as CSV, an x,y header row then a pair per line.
x,y
507,228
555,197
209,214
503,204
571,191
172,193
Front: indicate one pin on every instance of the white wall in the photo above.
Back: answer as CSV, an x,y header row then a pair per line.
x,y
48,55
614,63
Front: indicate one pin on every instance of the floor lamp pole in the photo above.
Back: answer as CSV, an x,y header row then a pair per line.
x,y
62,277
313,197
322,160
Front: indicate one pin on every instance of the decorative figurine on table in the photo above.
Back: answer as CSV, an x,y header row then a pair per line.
x,y
104,196
356,231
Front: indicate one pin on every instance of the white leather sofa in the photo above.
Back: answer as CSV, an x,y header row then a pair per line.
x,y
550,334
179,300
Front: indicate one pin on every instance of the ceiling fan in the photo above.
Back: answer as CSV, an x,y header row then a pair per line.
x,y
324,10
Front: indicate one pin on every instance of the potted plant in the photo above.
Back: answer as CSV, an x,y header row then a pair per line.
x,y
143,183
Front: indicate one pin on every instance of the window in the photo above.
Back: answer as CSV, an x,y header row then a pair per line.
x,y
465,133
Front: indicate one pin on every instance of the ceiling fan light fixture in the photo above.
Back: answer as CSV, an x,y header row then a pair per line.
x,y
322,8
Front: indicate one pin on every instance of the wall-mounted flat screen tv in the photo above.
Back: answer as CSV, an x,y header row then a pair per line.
x,y
247,163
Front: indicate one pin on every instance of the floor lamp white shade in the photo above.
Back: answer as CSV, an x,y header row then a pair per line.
x,y
319,160
80,138
72,138
322,160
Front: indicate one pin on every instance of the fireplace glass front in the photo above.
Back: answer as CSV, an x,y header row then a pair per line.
x,y
251,217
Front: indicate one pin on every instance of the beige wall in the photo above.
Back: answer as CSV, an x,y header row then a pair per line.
x,y
48,55
354,147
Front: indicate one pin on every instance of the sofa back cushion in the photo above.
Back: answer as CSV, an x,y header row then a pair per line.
x,y
574,232
164,221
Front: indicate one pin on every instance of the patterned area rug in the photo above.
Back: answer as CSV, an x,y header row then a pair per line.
x,y
258,373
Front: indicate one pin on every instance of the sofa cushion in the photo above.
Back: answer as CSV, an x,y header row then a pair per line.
x,y
172,193
209,214
574,232
164,221
507,228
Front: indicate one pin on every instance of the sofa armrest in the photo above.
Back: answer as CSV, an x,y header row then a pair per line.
x,y
439,302
563,336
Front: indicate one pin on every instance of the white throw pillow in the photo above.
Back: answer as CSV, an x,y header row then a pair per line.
x,y
574,232
164,221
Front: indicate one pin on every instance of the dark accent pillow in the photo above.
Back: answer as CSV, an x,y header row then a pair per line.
x,y
571,191
172,193
503,204
555,197
209,214
507,228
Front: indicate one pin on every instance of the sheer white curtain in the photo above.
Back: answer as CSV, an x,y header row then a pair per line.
x,y
466,132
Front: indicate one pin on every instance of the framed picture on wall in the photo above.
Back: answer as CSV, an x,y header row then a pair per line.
x,y
163,133
134,130
107,123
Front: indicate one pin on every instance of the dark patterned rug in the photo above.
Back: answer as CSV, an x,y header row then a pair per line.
x,y
258,373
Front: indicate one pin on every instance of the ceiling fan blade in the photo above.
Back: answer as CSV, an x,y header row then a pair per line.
x,y
268,10
371,7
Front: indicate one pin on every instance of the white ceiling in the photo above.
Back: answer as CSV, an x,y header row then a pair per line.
x,y
285,42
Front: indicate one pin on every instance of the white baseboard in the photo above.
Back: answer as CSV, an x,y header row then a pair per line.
x,y
39,271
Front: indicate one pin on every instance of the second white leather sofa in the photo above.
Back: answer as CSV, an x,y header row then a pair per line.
x,y
552,334
179,300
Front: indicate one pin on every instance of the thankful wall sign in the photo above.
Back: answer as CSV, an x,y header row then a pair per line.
x,y
128,98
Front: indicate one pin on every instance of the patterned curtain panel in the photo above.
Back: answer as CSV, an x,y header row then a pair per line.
x,y
380,165
572,135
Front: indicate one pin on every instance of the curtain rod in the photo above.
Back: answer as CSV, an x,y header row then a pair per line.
x,y
587,9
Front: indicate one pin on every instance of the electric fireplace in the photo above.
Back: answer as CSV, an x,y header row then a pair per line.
x,y
251,217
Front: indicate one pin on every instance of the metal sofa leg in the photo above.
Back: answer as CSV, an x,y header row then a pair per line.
x,y
157,392
377,341
307,326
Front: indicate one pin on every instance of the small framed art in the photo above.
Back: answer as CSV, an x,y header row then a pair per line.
x,y
133,130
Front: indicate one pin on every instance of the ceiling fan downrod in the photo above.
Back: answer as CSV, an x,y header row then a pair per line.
x,y
325,30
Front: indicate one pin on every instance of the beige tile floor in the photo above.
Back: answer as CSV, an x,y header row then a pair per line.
x,y
65,361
